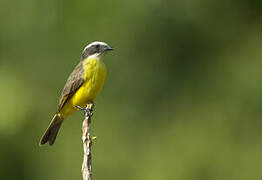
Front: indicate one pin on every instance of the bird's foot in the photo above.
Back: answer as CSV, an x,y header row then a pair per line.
x,y
88,110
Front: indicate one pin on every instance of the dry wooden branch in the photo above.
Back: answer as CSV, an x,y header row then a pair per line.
x,y
87,142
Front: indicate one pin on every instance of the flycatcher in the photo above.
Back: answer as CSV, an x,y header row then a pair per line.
x,y
82,87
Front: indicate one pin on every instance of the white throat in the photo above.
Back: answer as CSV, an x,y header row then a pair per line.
x,y
96,55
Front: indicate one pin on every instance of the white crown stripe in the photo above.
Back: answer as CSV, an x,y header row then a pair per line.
x,y
95,43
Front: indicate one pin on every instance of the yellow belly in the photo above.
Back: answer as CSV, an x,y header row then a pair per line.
x,y
95,74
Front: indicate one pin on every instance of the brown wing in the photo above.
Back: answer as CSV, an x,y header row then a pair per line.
x,y
73,83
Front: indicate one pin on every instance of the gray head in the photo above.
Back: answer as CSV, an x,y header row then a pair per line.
x,y
95,48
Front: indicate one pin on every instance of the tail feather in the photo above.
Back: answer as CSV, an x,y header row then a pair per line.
x,y
52,130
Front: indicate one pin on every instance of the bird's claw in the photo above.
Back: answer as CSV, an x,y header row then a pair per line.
x,y
87,110
80,108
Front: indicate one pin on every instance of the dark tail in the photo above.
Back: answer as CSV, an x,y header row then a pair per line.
x,y
52,130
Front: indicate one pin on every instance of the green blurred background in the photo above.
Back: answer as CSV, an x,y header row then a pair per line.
x,y
182,99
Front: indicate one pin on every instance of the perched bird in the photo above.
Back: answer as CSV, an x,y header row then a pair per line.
x,y
82,87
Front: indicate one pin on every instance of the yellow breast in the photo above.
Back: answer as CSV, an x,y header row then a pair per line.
x,y
94,77
95,74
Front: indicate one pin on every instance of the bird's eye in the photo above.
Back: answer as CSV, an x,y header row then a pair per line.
x,y
97,46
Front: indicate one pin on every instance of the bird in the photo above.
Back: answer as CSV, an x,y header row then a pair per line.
x,y
82,87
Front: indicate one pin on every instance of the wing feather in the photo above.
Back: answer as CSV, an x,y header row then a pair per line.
x,y
73,83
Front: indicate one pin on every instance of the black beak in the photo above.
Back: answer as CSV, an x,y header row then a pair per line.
x,y
108,48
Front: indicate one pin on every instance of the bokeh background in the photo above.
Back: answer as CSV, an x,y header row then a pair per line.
x,y
182,99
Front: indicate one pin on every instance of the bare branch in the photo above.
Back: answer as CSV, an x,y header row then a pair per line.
x,y
87,141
